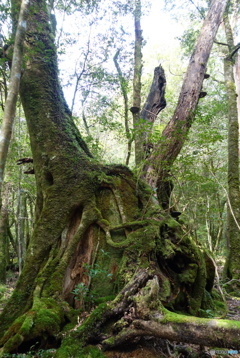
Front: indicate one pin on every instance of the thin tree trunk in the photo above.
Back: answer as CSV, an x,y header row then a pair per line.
x,y
124,90
10,105
79,76
3,234
135,109
221,206
21,220
208,225
174,135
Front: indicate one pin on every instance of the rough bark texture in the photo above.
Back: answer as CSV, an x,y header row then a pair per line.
x,y
175,133
95,227
237,81
232,269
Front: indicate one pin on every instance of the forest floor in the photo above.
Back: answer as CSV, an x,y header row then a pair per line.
x,y
151,348
233,308
6,290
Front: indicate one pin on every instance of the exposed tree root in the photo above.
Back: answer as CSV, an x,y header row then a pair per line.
x,y
147,317
138,312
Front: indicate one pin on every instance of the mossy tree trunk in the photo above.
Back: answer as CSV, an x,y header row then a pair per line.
x,y
232,269
97,232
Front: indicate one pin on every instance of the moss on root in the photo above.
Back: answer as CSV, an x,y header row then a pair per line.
x,y
43,320
72,349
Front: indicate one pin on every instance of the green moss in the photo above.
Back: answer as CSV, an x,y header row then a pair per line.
x,y
90,323
168,248
70,347
44,318
165,289
73,343
172,223
92,352
13,343
46,321
73,349
14,328
189,275
3,289
179,318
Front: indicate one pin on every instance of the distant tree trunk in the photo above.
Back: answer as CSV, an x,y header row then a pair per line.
x,y
233,227
21,226
174,135
4,234
10,105
124,90
136,107
221,208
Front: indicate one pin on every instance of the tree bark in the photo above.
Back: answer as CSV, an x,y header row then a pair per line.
x,y
10,105
137,85
233,233
237,81
163,324
3,234
174,135
154,104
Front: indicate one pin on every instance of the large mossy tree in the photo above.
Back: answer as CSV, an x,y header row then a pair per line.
x,y
101,232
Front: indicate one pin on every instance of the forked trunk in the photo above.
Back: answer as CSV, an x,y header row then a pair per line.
x,y
174,135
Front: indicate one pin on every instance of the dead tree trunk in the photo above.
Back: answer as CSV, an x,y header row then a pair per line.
x,y
154,104
174,135
137,85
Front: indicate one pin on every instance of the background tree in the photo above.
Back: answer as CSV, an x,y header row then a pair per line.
x,y
10,106
231,268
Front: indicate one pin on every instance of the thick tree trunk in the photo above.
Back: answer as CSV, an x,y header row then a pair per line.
x,y
237,81
174,135
232,264
97,234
